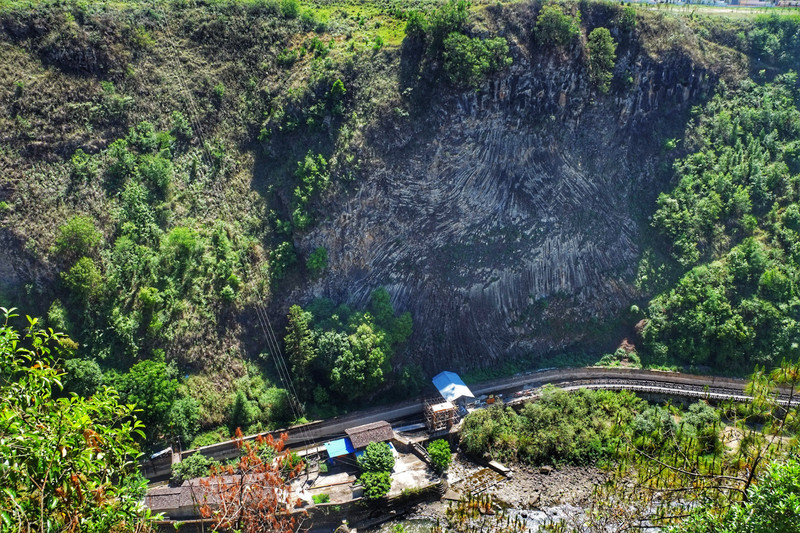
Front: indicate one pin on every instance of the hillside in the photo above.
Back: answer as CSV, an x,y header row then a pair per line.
x,y
171,167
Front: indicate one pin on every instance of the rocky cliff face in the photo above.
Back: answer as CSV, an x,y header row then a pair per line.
x,y
510,221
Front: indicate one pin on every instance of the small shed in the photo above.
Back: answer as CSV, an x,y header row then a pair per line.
x,y
451,387
360,436
339,447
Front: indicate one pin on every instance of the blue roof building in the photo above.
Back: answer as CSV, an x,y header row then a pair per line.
x,y
339,447
451,387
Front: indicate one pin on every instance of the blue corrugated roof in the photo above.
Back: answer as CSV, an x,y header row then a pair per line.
x,y
451,387
338,447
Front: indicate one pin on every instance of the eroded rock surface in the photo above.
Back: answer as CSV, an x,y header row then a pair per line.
x,y
507,222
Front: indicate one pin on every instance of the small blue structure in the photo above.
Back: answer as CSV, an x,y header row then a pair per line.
x,y
451,387
339,447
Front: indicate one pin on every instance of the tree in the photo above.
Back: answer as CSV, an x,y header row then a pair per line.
x,y
194,466
362,369
300,347
83,376
281,259
183,419
76,238
253,495
602,55
69,463
771,505
376,484
335,96
152,386
556,27
84,280
468,60
449,18
243,411
440,454
377,457
416,26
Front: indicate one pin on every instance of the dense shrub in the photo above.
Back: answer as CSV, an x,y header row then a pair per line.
x,y
602,55
83,280
440,454
561,427
467,61
377,457
555,26
376,484
196,465
317,261
77,237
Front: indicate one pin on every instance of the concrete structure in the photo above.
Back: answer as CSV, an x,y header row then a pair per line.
x,y
452,388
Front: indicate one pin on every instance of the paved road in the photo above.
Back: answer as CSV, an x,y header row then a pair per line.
x,y
643,381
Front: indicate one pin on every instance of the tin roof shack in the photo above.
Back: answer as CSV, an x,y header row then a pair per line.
x,y
452,388
339,447
360,436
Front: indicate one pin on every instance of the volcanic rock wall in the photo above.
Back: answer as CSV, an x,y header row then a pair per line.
x,y
506,222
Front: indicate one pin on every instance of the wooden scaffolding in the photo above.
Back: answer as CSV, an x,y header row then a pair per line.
x,y
439,415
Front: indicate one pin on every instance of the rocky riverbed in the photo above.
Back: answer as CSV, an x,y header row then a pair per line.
x,y
536,495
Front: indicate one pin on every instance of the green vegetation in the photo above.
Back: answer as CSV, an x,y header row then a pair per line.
x,y
141,196
732,218
317,261
441,38
77,238
155,203
557,24
66,459
602,55
194,466
377,457
468,61
772,504
578,428
339,353
441,455
663,462
321,498
376,484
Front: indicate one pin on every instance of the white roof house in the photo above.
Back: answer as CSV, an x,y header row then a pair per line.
x,y
451,387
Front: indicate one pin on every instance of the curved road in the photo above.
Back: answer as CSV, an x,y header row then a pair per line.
x,y
642,381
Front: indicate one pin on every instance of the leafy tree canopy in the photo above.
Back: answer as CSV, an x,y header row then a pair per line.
x,y
602,55
69,463
376,484
555,26
440,454
377,457
772,505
